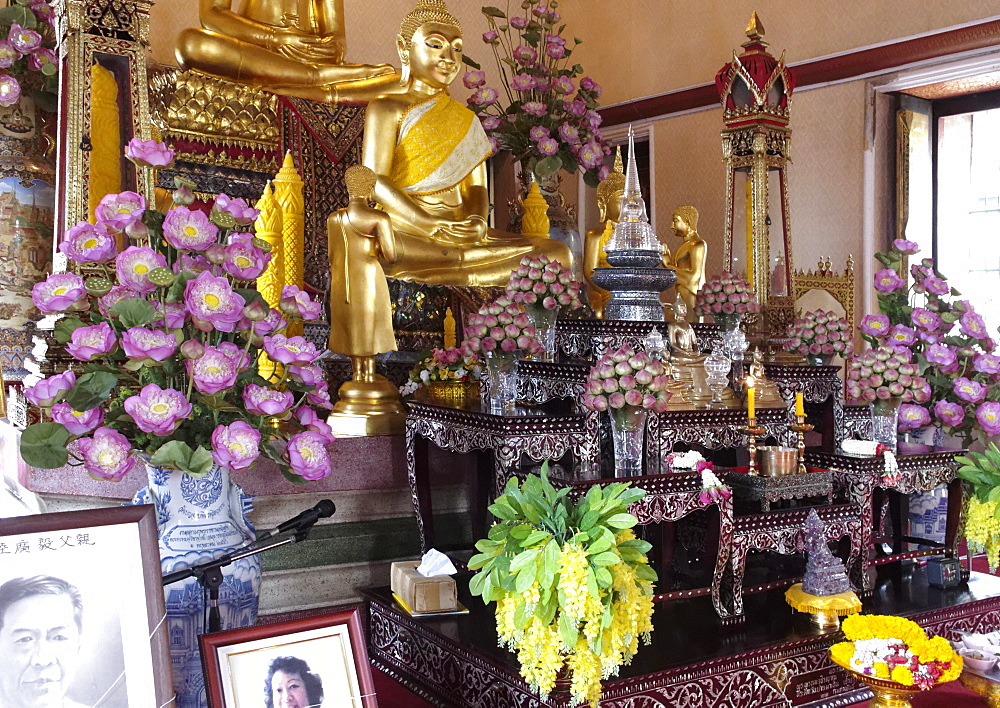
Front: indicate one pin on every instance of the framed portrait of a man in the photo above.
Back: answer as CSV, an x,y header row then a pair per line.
x,y
304,663
81,610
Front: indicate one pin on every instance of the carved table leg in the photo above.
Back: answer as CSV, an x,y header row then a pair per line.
x,y
720,536
737,564
418,476
955,499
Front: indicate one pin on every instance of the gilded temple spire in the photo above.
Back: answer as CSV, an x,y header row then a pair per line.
x,y
755,30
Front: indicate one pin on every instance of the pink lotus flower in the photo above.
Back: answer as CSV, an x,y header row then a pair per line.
x,y
290,350
909,248
490,37
77,422
474,79
973,325
902,335
261,400
951,414
988,417
242,213
548,146
297,303
88,243
563,86
986,363
925,319
887,280
940,354
8,55
88,343
912,417
309,375
875,325
143,344
120,210
189,230
107,455
114,296
158,411
969,390
591,155
236,446
522,82
555,51
538,132
307,455
308,418
244,261
10,90
212,303
935,285
47,391
24,40
212,372
42,57
320,396
535,108
484,96
58,293
524,54
149,153
133,265
173,314
490,122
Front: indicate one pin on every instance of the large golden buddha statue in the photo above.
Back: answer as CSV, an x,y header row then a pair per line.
x,y
290,47
688,260
609,202
429,153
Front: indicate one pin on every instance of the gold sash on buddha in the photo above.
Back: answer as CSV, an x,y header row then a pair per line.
x,y
440,143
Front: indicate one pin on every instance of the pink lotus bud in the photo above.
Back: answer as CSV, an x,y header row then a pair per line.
x,y
256,311
627,382
192,349
610,385
643,377
216,253
616,400
633,398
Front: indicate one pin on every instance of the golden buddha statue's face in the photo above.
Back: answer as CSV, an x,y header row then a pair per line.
x,y
680,226
435,54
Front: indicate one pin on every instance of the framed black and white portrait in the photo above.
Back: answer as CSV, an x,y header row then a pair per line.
x,y
81,610
309,662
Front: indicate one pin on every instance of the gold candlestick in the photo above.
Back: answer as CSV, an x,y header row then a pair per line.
x,y
801,428
752,431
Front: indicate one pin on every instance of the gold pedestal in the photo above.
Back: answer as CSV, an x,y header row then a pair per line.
x,y
368,408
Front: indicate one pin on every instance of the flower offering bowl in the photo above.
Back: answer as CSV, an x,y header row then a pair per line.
x,y
886,693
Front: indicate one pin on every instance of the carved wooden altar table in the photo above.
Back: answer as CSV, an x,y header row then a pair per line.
x,y
783,531
818,385
587,339
768,490
543,433
864,482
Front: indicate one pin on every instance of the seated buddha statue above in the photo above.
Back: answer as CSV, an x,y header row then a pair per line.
x,y
687,361
289,47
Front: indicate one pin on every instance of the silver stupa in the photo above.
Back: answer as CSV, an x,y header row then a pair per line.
x,y
636,276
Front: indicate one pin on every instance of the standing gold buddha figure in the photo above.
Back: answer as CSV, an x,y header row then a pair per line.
x,y
289,47
609,201
688,260
428,153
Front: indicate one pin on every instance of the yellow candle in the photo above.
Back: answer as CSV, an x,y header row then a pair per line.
x,y
800,409
751,408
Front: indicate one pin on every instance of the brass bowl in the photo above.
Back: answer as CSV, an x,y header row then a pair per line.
x,y
989,690
778,461
886,693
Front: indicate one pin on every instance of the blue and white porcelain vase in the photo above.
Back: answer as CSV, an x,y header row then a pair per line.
x,y
199,519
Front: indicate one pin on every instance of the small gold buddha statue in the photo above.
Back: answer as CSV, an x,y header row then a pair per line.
x,y
688,261
289,47
767,393
428,153
688,363
609,201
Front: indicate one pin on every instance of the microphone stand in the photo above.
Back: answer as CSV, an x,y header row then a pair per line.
x,y
209,573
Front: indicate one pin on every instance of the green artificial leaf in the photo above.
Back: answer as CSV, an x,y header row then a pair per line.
x,y
466,59
548,166
522,615
20,15
568,630
251,295
174,454
523,558
200,463
43,445
176,291
525,578
476,583
603,577
535,537
532,38
502,511
134,312
65,328
606,558
601,544
479,560
217,402
644,572
491,11
622,521
91,390
589,519
499,532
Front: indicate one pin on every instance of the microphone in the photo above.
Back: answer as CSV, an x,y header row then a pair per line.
x,y
324,509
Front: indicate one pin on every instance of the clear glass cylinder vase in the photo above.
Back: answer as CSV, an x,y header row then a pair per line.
x,y
628,427
501,369
885,421
544,322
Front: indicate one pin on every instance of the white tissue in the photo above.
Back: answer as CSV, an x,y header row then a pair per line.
x,y
434,562
858,447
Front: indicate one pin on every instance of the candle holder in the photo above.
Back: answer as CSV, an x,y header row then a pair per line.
x,y
752,431
800,427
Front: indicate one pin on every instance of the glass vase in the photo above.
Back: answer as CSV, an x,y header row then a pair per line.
x,y
820,359
628,425
501,370
544,322
885,420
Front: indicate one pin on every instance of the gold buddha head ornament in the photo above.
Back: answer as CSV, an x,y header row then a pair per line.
x,y
685,221
360,181
610,191
426,12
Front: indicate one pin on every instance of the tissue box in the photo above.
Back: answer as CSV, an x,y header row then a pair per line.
x,y
434,594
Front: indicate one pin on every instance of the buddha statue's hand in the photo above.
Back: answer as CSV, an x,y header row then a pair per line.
x,y
295,44
465,231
